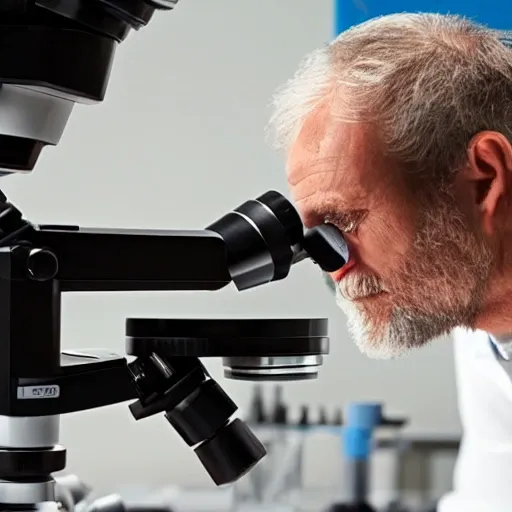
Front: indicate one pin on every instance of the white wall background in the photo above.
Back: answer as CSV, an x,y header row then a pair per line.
x,y
178,142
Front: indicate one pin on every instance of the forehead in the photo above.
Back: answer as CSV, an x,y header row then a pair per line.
x,y
334,163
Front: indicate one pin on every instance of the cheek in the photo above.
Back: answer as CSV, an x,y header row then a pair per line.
x,y
383,241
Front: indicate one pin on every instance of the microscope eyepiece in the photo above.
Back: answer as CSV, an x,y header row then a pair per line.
x,y
259,235
264,237
285,213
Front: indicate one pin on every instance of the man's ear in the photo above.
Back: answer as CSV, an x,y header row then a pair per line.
x,y
489,172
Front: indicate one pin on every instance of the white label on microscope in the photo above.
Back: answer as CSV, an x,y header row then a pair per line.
x,y
31,392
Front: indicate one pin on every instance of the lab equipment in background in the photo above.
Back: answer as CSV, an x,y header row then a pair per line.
x,y
143,498
279,478
281,471
117,503
418,453
73,495
357,433
71,492
363,420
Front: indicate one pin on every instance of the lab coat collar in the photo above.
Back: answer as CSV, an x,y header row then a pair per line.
x,y
503,345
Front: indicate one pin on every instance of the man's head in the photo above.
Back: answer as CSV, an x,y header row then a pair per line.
x,y
399,133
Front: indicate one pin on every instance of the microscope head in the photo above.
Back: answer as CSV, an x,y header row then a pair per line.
x,y
56,53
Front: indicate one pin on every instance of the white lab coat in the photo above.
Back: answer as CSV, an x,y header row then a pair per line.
x,y
483,474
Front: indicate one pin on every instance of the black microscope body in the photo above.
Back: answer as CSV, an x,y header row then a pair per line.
x,y
55,53
38,378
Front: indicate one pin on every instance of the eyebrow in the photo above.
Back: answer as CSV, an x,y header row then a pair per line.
x,y
340,214
336,215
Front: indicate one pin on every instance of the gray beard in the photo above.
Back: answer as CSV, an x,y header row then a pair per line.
x,y
403,332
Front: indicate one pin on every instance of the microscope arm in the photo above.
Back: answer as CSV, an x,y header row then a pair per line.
x,y
41,262
84,260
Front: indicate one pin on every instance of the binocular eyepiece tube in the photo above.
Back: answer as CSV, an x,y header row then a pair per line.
x,y
264,237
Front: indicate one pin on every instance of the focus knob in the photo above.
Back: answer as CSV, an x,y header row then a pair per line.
x,y
42,264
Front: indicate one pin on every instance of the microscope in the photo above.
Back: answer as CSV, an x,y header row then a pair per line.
x,y
56,53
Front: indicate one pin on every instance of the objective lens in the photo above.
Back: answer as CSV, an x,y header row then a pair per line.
x,y
227,449
231,453
202,413
199,410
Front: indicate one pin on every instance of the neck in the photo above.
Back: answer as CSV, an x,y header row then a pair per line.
x,y
496,316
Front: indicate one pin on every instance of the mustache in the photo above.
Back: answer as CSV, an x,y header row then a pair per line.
x,y
358,286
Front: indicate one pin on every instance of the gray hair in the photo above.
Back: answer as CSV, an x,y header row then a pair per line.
x,y
429,82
